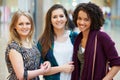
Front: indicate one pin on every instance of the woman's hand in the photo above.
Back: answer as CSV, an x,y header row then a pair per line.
x,y
112,72
45,67
67,68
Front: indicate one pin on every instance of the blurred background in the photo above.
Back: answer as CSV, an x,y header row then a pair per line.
x,y
38,9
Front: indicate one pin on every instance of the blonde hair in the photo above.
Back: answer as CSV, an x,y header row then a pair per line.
x,y
14,36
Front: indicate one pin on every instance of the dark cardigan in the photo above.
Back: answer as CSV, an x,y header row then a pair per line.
x,y
50,57
105,51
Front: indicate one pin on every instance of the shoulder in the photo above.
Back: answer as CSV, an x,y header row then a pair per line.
x,y
13,46
104,37
73,34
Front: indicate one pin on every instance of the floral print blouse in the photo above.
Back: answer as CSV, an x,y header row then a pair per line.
x,y
31,58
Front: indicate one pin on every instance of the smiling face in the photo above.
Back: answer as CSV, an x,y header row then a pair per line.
x,y
58,19
23,26
83,21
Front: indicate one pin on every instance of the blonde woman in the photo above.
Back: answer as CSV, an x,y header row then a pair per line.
x,y
22,56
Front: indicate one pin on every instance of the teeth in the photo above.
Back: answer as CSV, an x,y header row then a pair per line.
x,y
82,26
24,30
58,23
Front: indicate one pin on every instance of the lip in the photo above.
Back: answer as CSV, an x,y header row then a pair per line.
x,y
81,26
25,31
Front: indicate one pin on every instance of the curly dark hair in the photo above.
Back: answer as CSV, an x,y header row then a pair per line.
x,y
93,11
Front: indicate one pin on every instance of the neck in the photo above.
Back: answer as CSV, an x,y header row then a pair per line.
x,y
85,34
25,40
26,43
61,36
60,33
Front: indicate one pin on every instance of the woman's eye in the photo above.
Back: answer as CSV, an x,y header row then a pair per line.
x,y
20,23
86,19
61,16
27,23
79,18
54,16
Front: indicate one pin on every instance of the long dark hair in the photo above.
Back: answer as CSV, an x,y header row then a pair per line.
x,y
47,37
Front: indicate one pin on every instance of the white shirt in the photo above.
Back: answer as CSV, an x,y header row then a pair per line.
x,y
63,52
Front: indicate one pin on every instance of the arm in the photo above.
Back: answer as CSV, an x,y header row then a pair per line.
x,y
67,68
17,63
112,56
112,73
18,66
44,68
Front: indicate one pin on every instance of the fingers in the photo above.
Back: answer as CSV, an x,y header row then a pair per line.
x,y
68,68
46,66
71,66
72,69
71,63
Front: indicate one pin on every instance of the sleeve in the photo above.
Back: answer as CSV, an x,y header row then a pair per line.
x,y
110,50
13,45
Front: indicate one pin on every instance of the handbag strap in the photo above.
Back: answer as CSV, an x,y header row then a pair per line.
x,y
93,66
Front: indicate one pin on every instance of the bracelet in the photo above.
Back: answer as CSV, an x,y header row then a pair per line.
x,y
25,74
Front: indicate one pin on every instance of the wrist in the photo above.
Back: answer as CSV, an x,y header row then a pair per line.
x,y
41,71
61,68
107,78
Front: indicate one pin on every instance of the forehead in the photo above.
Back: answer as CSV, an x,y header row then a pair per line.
x,y
57,11
83,13
23,18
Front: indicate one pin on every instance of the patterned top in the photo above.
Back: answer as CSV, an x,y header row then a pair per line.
x,y
31,58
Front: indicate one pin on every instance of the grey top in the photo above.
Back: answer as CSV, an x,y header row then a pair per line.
x,y
81,58
31,58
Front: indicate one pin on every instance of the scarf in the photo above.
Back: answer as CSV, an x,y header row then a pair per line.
x,y
88,57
